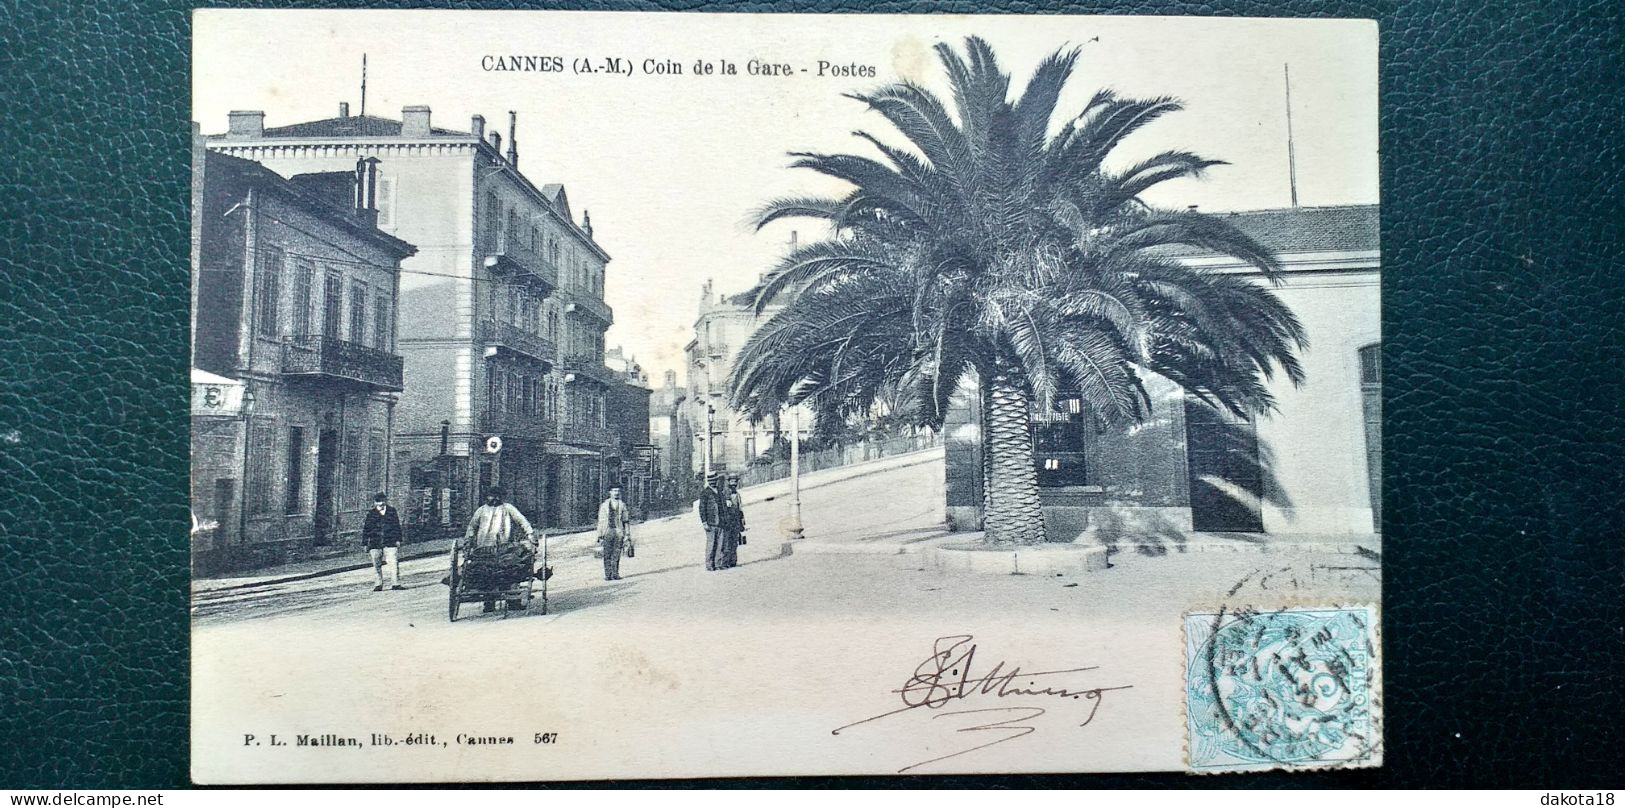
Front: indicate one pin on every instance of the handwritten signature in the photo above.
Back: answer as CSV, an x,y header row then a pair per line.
x,y
949,677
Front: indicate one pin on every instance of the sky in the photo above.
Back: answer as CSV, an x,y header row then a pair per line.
x,y
672,166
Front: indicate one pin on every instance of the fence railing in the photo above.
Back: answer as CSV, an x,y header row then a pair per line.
x,y
840,456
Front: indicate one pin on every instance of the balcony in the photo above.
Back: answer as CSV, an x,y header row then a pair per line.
x,y
505,254
511,338
515,425
590,367
578,303
326,358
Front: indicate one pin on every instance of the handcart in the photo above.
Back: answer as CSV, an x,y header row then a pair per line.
x,y
511,581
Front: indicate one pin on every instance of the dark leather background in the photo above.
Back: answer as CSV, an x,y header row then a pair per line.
x,y
1502,225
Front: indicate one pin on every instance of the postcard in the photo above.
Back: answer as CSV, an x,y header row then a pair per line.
x,y
589,395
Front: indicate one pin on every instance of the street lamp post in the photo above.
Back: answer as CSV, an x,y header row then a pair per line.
x,y
795,473
242,486
710,438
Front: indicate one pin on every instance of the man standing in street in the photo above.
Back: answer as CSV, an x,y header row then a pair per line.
x,y
614,528
498,542
381,535
710,507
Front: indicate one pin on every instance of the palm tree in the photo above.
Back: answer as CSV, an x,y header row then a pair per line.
x,y
990,246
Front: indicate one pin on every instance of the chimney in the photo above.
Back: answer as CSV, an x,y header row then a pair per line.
x,y
495,139
366,191
245,123
477,126
344,109
586,221
414,121
513,139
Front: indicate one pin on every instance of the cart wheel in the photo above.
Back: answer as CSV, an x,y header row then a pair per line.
x,y
455,581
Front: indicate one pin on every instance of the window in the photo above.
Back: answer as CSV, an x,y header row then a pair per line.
x,y
332,305
1060,439
304,276
553,326
262,449
380,323
493,217
375,461
269,293
358,312
293,502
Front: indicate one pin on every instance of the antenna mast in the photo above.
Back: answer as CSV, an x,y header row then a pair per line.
x,y
363,85
1291,149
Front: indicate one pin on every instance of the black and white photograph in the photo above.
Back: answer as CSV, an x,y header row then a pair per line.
x,y
589,395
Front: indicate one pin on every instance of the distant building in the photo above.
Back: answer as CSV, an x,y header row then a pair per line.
x,y
724,325
296,369
502,315
675,442
628,403
1315,466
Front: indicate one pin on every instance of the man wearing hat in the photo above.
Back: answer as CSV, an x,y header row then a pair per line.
x,y
498,537
614,528
381,535
710,506
733,522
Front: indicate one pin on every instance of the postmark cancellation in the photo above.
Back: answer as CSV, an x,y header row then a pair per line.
x,y
1289,688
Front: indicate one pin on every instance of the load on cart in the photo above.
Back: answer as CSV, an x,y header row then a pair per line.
x,y
495,562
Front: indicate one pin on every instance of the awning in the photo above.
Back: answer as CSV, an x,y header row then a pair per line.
x,y
216,395
570,451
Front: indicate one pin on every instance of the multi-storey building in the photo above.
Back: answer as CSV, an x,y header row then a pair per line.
x,y
502,313
1313,466
725,324
295,364
665,431
628,403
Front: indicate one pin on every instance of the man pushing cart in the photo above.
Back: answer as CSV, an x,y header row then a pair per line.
x,y
495,560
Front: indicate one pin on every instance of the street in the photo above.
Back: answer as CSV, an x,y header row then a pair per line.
x,y
772,654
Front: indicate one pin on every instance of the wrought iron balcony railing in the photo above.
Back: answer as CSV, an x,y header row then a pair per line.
x,y
319,357
588,366
515,425
505,253
498,334
578,303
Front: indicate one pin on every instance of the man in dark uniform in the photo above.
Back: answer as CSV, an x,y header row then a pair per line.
x,y
710,508
381,535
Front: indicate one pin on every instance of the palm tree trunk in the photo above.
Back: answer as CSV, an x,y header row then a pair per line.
x,y
1014,513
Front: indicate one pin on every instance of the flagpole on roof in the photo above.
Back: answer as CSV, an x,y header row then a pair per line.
x,y
1291,150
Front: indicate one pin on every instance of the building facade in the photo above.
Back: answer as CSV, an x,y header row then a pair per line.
x,y
669,436
296,369
639,459
726,440
502,314
1313,466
